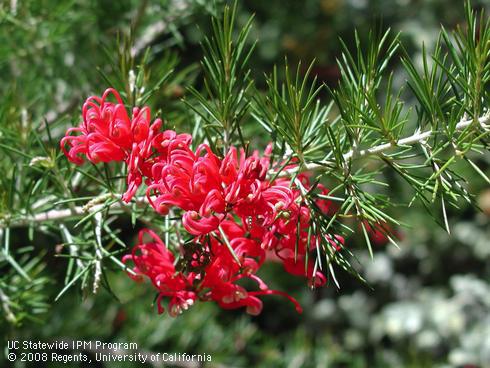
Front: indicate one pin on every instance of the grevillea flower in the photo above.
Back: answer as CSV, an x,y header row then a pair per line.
x,y
105,131
216,282
155,261
201,184
256,217
237,216
108,134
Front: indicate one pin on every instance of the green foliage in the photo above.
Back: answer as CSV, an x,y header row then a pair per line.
x,y
291,113
377,145
226,80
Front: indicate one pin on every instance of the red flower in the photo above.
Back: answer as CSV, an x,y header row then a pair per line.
x,y
201,184
107,134
197,225
105,131
156,262
238,217
217,282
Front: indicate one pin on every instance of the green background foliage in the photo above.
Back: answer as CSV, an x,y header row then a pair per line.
x,y
425,303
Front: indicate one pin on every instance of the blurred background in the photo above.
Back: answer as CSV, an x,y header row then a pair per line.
x,y
427,304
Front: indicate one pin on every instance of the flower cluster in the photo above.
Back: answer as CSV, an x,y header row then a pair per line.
x,y
108,134
236,215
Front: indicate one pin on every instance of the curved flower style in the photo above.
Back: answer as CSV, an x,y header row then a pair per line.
x,y
201,184
218,280
105,131
237,216
156,262
108,134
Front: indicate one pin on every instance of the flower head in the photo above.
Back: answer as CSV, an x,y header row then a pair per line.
x,y
108,134
237,217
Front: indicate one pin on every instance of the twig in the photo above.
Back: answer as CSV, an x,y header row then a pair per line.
x,y
98,253
62,214
415,138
